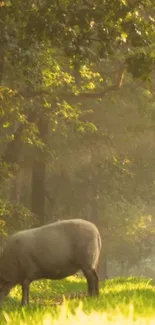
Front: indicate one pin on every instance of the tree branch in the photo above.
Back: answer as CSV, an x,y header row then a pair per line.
x,y
70,95
83,95
13,149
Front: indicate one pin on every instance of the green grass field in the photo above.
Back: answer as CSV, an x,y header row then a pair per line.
x,y
122,301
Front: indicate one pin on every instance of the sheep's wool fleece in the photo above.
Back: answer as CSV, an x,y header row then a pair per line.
x,y
53,246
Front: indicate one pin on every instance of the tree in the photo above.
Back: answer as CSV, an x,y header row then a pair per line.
x,y
63,66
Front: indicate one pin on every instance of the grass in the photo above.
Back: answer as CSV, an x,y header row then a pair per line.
x,y
122,301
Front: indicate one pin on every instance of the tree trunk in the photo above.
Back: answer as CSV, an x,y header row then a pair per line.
x,y
15,194
38,189
102,267
2,46
38,176
103,263
101,224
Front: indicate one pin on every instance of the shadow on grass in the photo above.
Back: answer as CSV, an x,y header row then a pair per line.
x,y
44,293
56,287
114,293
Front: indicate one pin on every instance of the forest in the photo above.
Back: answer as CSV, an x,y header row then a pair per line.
x,y
77,122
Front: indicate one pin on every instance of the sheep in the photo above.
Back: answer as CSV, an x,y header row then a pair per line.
x,y
53,251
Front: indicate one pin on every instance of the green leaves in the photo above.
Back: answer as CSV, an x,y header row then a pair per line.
x,y
13,217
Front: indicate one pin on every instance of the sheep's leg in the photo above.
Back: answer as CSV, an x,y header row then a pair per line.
x,y
28,294
96,282
92,282
5,291
25,293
